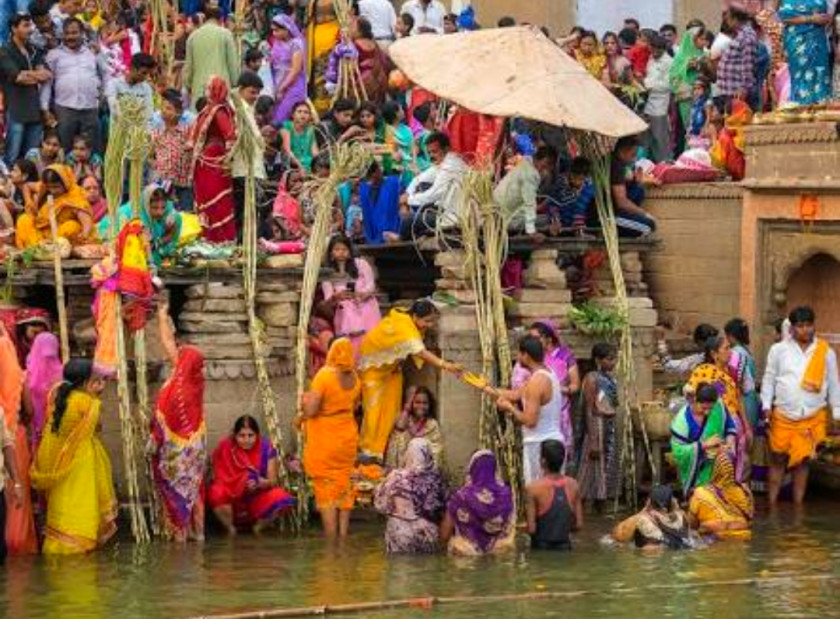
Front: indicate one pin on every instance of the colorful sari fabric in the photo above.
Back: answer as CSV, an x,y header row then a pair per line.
x,y
383,350
730,395
727,152
682,76
373,66
322,35
20,525
43,372
73,469
806,46
179,444
281,56
232,468
332,436
694,464
413,498
104,279
723,501
482,510
214,137
594,64
401,140
33,230
426,429
599,469
354,318
16,319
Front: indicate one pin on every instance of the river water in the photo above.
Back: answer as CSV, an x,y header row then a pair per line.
x,y
790,568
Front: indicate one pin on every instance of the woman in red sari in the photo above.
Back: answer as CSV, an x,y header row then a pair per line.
x,y
214,137
178,437
244,490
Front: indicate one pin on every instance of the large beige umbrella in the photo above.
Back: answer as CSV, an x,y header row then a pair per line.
x,y
514,72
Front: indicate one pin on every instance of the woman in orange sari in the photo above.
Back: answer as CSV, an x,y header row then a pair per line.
x,y
72,211
20,525
245,489
332,436
178,437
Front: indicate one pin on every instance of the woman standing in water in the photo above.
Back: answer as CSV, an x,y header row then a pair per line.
x,y
332,437
179,439
73,468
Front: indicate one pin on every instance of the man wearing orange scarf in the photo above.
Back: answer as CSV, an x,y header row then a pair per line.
x,y
800,390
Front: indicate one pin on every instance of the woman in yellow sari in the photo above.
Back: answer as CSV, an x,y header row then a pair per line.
x,y
714,371
72,467
722,507
332,437
321,34
397,337
72,211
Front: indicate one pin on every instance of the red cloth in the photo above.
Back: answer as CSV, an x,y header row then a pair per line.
x,y
639,55
15,320
181,400
133,280
232,468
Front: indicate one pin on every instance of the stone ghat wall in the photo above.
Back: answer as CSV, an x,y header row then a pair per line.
x,y
694,274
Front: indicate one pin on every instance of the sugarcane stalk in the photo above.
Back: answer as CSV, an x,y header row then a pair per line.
x,y
64,337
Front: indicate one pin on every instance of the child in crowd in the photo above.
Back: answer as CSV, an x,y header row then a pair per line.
x,y
400,140
425,115
49,153
354,217
82,159
639,53
171,151
298,136
256,62
25,185
404,26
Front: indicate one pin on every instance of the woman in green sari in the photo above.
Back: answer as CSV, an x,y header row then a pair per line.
x,y
159,217
698,432
685,69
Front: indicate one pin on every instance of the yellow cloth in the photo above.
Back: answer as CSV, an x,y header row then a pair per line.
x,y
31,231
383,349
723,501
713,375
815,372
594,64
797,439
332,436
322,36
74,471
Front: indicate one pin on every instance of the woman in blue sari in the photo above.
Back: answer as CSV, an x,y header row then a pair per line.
x,y
806,45
160,218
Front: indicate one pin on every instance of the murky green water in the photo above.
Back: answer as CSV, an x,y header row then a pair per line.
x,y
791,568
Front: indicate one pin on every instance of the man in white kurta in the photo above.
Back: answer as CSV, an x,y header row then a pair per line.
x,y
799,391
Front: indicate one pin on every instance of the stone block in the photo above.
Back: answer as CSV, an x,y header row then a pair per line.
x,y
274,287
544,275
278,314
200,316
227,351
463,296
544,295
218,306
642,317
540,310
265,298
451,284
455,272
450,258
214,291
213,326
544,254
233,339
284,261
455,323
632,302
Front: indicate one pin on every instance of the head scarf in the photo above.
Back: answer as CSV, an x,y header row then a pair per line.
x,y
681,77
43,372
162,246
181,400
734,497
340,355
482,508
72,198
16,319
288,23
217,102
418,481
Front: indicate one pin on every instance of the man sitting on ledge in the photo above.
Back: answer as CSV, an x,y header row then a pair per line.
x,y
631,219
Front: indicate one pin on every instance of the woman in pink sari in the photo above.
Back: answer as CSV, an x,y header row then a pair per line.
x,y
43,372
560,359
351,293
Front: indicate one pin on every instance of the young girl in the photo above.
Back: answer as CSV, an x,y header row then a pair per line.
x,y
400,140
373,134
351,294
298,135
354,218
417,420
49,153
599,475
82,160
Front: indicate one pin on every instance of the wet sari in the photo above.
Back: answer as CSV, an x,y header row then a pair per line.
x,y
73,469
332,436
233,467
723,501
694,464
482,510
20,525
383,350
413,498
179,447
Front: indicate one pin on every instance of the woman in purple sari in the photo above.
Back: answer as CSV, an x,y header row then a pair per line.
x,y
479,517
413,498
43,372
560,359
288,54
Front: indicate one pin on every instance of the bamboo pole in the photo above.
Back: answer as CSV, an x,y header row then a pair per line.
x,y
59,284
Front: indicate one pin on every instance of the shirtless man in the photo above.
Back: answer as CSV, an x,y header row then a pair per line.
x,y
542,403
552,503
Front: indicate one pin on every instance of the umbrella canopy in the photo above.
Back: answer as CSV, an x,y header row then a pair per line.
x,y
514,72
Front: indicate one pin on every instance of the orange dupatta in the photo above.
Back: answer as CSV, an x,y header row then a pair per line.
x,y
815,372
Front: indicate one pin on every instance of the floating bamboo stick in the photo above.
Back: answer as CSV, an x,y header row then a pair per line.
x,y
59,284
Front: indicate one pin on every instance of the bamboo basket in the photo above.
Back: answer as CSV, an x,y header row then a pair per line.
x,y
653,418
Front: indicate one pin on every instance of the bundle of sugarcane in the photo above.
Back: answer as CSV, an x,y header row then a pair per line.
x,y
483,229
129,141
348,161
249,146
59,285
598,150
349,82
163,42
